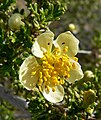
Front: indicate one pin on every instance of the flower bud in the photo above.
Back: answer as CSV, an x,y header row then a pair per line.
x,y
88,75
73,28
90,110
88,98
15,22
1,23
22,4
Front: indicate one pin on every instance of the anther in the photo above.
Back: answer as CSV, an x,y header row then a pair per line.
x,y
76,59
40,88
40,74
33,73
65,49
53,89
67,76
45,79
61,81
47,88
40,82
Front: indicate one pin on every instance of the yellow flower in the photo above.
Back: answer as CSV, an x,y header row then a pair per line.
x,y
53,63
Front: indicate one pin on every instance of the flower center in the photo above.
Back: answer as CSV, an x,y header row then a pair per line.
x,y
55,69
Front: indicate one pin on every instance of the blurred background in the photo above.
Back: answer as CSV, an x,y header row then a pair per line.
x,y
83,19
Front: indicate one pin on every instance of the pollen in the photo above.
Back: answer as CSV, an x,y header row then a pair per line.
x,y
33,73
55,69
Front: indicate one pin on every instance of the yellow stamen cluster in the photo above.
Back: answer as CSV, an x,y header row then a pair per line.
x,y
75,58
55,69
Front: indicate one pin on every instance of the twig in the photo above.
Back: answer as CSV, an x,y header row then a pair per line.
x,y
16,101
85,52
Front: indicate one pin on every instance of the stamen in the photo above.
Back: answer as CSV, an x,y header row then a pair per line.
x,y
67,68
67,76
40,88
40,81
65,49
54,73
53,89
75,58
40,74
56,51
55,69
45,79
61,81
33,73
47,88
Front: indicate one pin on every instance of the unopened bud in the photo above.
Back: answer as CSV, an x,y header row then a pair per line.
x,y
88,75
88,98
22,4
15,22
73,28
1,23
90,110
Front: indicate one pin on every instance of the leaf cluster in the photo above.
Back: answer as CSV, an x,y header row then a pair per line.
x,y
43,12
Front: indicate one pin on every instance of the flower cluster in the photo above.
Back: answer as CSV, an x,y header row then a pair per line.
x,y
53,62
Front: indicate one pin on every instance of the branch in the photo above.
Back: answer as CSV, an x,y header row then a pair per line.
x,y
16,101
85,52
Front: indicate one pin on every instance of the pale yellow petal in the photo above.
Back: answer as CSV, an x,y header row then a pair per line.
x,y
56,96
36,50
76,72
69,40
26,76
43,44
